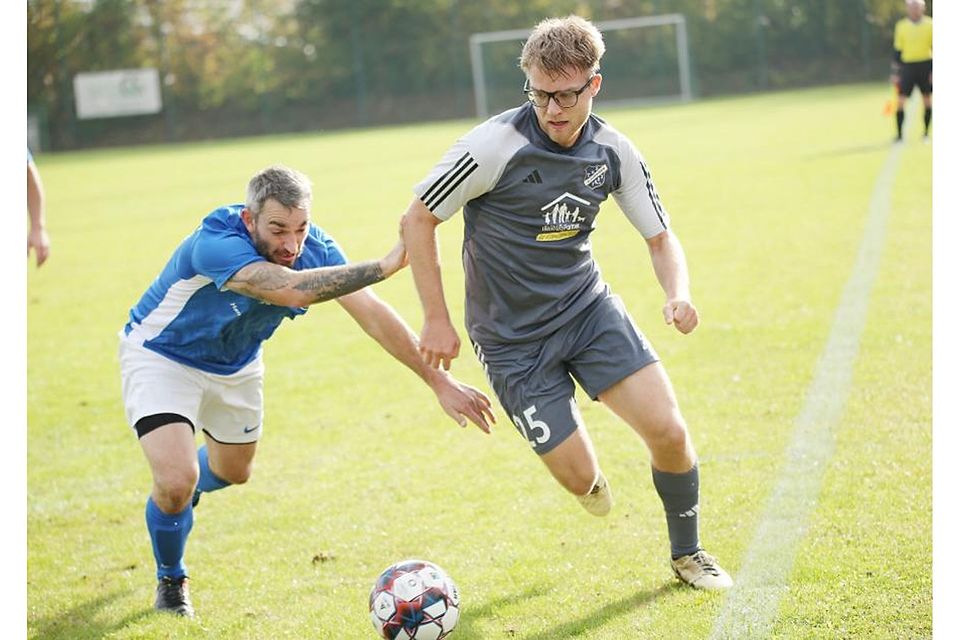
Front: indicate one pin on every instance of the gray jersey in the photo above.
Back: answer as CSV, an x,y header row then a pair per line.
x,y
529,209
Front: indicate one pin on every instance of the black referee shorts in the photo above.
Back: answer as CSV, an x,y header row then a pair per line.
x,y
916,74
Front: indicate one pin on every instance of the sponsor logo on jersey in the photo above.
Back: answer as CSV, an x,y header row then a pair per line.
x,y
534,177
561,218
595,175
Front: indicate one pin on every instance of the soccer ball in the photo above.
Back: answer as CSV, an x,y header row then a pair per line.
x,y
414,600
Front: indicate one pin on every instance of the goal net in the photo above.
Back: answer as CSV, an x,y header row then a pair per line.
x,y
647,60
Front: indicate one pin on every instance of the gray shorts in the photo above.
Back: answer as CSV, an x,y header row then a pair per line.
x,y
534,380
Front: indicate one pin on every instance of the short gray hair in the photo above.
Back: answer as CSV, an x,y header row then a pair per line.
x,y
287,186
557,44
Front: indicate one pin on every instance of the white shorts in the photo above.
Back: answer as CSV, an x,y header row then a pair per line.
x,y
228,408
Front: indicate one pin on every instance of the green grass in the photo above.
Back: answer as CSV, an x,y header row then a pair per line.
x,y
769,195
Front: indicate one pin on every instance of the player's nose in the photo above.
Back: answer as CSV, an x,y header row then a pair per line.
x,y
290,244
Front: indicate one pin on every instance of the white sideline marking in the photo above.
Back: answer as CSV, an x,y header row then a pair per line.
x,y
751,605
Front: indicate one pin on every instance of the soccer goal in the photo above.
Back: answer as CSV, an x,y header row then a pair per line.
x,y
647,60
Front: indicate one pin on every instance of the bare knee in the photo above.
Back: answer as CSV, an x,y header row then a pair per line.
x,y
577,479
671,448
173,492
670,437
573,463
582,482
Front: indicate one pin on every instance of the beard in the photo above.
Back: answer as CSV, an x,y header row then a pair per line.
x,y
275,256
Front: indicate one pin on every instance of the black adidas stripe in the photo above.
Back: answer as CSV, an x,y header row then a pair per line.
x,y
445,184
459,161
652,192
443,196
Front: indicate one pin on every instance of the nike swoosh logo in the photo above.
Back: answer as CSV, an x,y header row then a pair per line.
x,y
250,429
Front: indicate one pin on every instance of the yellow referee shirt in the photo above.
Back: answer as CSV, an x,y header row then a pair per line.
x,y
914,40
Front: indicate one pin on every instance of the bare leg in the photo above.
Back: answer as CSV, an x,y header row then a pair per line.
x,y
574,465
231,462
645,400
172,455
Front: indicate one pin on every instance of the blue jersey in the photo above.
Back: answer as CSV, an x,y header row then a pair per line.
x,y
186,314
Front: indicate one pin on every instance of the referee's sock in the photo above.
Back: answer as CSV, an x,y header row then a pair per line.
x,y
899,124
168,534
927,116
680,493
209,481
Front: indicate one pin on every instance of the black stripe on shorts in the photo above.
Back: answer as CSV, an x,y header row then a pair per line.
x,y
146,424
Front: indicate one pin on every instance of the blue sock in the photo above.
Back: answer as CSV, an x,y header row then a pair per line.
x,y
208,479
680,493
168,533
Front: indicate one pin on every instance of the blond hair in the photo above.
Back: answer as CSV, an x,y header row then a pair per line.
x,y
557,44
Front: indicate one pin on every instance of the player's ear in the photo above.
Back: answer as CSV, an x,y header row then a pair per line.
x,y
248,220
595,86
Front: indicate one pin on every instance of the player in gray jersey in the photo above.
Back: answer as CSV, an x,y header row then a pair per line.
x,y
530,182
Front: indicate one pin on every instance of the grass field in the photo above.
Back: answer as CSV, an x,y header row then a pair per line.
x,y
359,467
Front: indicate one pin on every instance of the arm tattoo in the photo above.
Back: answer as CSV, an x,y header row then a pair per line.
x,y
261,276
333,282
258,278
263,281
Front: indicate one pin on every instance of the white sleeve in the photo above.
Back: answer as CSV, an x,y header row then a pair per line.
x,y
636,195
470,168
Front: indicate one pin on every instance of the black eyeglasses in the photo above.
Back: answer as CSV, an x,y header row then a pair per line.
x,y
565,99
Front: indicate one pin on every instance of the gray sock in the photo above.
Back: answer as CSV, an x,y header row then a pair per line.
x,y
680,493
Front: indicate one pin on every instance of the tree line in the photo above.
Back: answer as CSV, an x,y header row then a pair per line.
x,y
237,67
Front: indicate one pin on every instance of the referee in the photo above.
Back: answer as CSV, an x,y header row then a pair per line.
x,y
912,64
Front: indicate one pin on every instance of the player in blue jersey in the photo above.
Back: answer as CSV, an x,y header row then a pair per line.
x,y
530,182
190,355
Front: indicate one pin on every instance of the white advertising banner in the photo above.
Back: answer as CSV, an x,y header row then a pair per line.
x,y
125,92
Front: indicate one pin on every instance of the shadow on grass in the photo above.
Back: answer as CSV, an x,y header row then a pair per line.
x,y
597,618
466,629
83,622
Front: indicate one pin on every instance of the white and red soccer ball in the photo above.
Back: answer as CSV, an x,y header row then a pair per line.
x,y
414,600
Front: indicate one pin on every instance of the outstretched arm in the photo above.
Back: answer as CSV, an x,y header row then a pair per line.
x,y
670,265
37,238
279,285
381,322
439,343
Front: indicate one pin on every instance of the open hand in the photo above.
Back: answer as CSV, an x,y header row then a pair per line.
x,y
463,402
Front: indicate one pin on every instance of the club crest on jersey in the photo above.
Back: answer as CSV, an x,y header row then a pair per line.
x,y
595,175
561,218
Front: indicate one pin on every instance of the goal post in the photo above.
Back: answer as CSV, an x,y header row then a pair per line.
x,y
647,58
